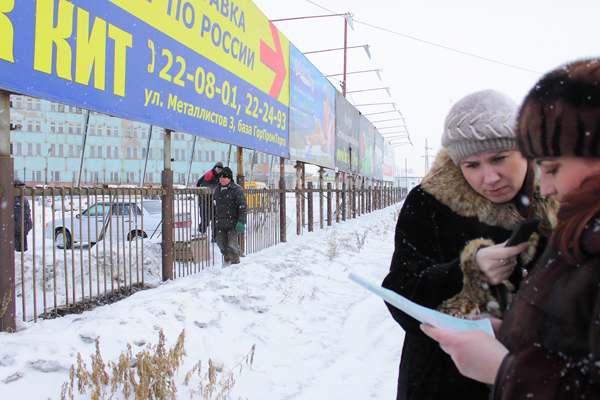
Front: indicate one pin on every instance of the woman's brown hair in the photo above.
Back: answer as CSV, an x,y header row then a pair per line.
x,y
574,214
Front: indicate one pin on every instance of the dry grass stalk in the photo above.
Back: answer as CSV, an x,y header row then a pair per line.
x,y
208,384
155,368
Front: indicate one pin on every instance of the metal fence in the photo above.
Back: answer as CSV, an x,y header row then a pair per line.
x,y
91,246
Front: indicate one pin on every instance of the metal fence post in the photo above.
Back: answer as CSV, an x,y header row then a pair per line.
x,y
309,194
7,225
167,212
282,202
329,204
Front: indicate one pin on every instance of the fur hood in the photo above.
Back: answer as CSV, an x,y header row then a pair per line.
x,y
447,184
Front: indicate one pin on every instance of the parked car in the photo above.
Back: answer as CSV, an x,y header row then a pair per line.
x,y
70,203
120,219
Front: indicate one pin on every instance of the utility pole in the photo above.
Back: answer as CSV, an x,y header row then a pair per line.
x,y
427,148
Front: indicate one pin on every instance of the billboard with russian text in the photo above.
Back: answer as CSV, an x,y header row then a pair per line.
x,y
346,135
367,146
388,162
312,113
214,68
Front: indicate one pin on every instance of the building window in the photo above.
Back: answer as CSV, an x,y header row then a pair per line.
x,y
115,131
19,149
38,126
127,131
29,103
78,150
36,176
92,151
78,128
29,125
99,130
71,154
61,150
60,127
91,129
38,104
70,127
29,149
53,106
128,152
143,132
149,177
53,127
18,102
134,132
52,150
212,156
55,176
135,153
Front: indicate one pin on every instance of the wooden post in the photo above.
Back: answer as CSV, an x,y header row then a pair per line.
x,y
321,187
309,194
328,203
240,181
167,211
282,201
7,224
298,168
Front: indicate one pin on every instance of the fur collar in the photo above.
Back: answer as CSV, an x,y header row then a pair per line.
x,y
447,183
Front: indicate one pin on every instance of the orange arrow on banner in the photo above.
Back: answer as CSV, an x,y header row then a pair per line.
x,y
274,60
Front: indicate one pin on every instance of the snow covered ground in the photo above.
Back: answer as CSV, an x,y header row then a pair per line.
x,y
318,335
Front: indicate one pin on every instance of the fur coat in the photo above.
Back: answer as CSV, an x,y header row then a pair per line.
x,y
552,329
442,224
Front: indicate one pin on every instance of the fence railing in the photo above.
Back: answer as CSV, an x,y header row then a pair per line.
x,y
91,246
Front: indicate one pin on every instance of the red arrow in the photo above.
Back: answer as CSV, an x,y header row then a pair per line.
x,y
274,60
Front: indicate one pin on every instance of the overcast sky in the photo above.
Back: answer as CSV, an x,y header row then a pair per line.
x,y
421,46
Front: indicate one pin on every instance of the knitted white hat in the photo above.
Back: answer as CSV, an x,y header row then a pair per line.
x,y
480,122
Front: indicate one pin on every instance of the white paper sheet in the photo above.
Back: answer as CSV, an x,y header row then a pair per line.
x,y
424,314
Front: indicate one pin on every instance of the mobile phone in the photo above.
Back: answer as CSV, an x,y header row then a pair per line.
x,y
524,230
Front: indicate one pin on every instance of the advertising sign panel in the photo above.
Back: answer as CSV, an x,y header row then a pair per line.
x,y
312,113
367,146
346,135
388,162
378,156
214,68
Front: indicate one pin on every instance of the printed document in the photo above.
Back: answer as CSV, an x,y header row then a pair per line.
x,y
424,314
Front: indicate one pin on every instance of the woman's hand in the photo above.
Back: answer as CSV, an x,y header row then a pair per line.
x,y
476,354
498,262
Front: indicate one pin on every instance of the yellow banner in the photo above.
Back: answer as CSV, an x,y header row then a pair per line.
x,y
236,35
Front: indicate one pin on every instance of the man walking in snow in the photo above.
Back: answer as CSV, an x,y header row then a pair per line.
x,y
206,207
230,217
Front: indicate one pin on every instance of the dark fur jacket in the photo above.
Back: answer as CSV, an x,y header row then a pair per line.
x,y
442,224
552,328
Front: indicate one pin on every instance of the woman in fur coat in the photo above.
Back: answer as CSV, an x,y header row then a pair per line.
x,y
449,244
549,341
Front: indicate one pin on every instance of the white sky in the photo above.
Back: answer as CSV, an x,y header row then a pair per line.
x,y
318,335
425,79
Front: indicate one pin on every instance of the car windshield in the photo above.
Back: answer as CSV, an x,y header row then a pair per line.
x,y
125,209
96,209
153,207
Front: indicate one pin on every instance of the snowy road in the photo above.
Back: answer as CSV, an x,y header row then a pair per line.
x,y
318,335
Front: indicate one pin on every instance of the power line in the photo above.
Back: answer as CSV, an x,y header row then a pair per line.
x,y
431,43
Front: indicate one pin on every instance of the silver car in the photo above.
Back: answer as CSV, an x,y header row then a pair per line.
x,y
117,220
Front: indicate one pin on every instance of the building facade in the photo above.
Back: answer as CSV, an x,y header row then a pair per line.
x,y
47,141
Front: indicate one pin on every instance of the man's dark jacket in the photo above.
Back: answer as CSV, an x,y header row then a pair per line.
x,y
209,179
231,205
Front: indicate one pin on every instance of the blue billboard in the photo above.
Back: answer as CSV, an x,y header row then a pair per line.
x,y
210,68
